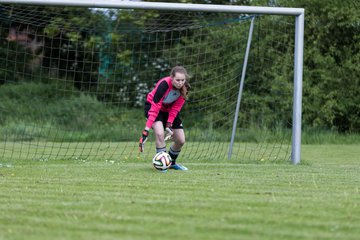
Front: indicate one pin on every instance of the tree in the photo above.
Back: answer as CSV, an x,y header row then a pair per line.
x,y
331,64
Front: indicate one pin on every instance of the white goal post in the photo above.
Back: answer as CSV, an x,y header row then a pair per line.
x,y
298,13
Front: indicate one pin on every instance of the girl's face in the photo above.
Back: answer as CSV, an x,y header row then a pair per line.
x,y
178,80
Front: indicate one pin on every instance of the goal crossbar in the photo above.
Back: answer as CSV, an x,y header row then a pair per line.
x,y
163,6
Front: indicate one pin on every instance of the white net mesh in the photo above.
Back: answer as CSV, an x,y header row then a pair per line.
x,y
74,81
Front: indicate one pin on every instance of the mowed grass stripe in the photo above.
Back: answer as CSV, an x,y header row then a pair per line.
x,y
125,200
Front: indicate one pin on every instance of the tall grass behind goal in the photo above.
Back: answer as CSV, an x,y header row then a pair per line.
x,y
74,80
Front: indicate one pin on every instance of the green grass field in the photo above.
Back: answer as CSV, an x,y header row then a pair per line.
x,y
83,199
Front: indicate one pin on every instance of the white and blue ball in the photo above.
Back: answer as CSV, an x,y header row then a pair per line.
x,y
161,161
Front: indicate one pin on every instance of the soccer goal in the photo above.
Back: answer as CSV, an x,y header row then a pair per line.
x,y
74,76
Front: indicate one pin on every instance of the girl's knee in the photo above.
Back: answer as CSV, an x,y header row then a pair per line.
x,y
180,142
159,135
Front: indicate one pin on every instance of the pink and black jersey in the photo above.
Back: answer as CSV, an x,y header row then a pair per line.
x,y
164,97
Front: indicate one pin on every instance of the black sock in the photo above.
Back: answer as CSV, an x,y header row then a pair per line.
x,y
173,154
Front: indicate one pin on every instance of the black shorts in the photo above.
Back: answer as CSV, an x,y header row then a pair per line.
x,y
163,117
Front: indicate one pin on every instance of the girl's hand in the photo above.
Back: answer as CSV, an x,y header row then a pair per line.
x,y
143,139
169,132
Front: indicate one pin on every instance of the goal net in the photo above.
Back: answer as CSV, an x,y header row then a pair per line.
x,y
74,81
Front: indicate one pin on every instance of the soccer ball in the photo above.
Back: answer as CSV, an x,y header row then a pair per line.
x,y
161,161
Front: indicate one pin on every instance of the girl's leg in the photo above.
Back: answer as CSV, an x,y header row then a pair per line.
x,y
158,129
179,141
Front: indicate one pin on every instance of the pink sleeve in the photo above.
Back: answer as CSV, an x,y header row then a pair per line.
x,y
155,97
175,109
153,112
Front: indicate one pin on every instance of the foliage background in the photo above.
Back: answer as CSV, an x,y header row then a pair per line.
x,y
331,62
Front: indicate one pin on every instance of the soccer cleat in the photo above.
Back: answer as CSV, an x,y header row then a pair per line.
x,y
178,167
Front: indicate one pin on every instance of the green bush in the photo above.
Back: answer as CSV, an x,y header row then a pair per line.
x,y
40,110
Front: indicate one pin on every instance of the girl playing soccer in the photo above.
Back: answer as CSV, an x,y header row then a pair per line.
x,y
162,108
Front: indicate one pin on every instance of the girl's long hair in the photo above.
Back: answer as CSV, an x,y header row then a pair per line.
x,y
184,91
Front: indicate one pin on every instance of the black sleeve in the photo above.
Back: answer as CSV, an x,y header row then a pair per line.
x,y
160,91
